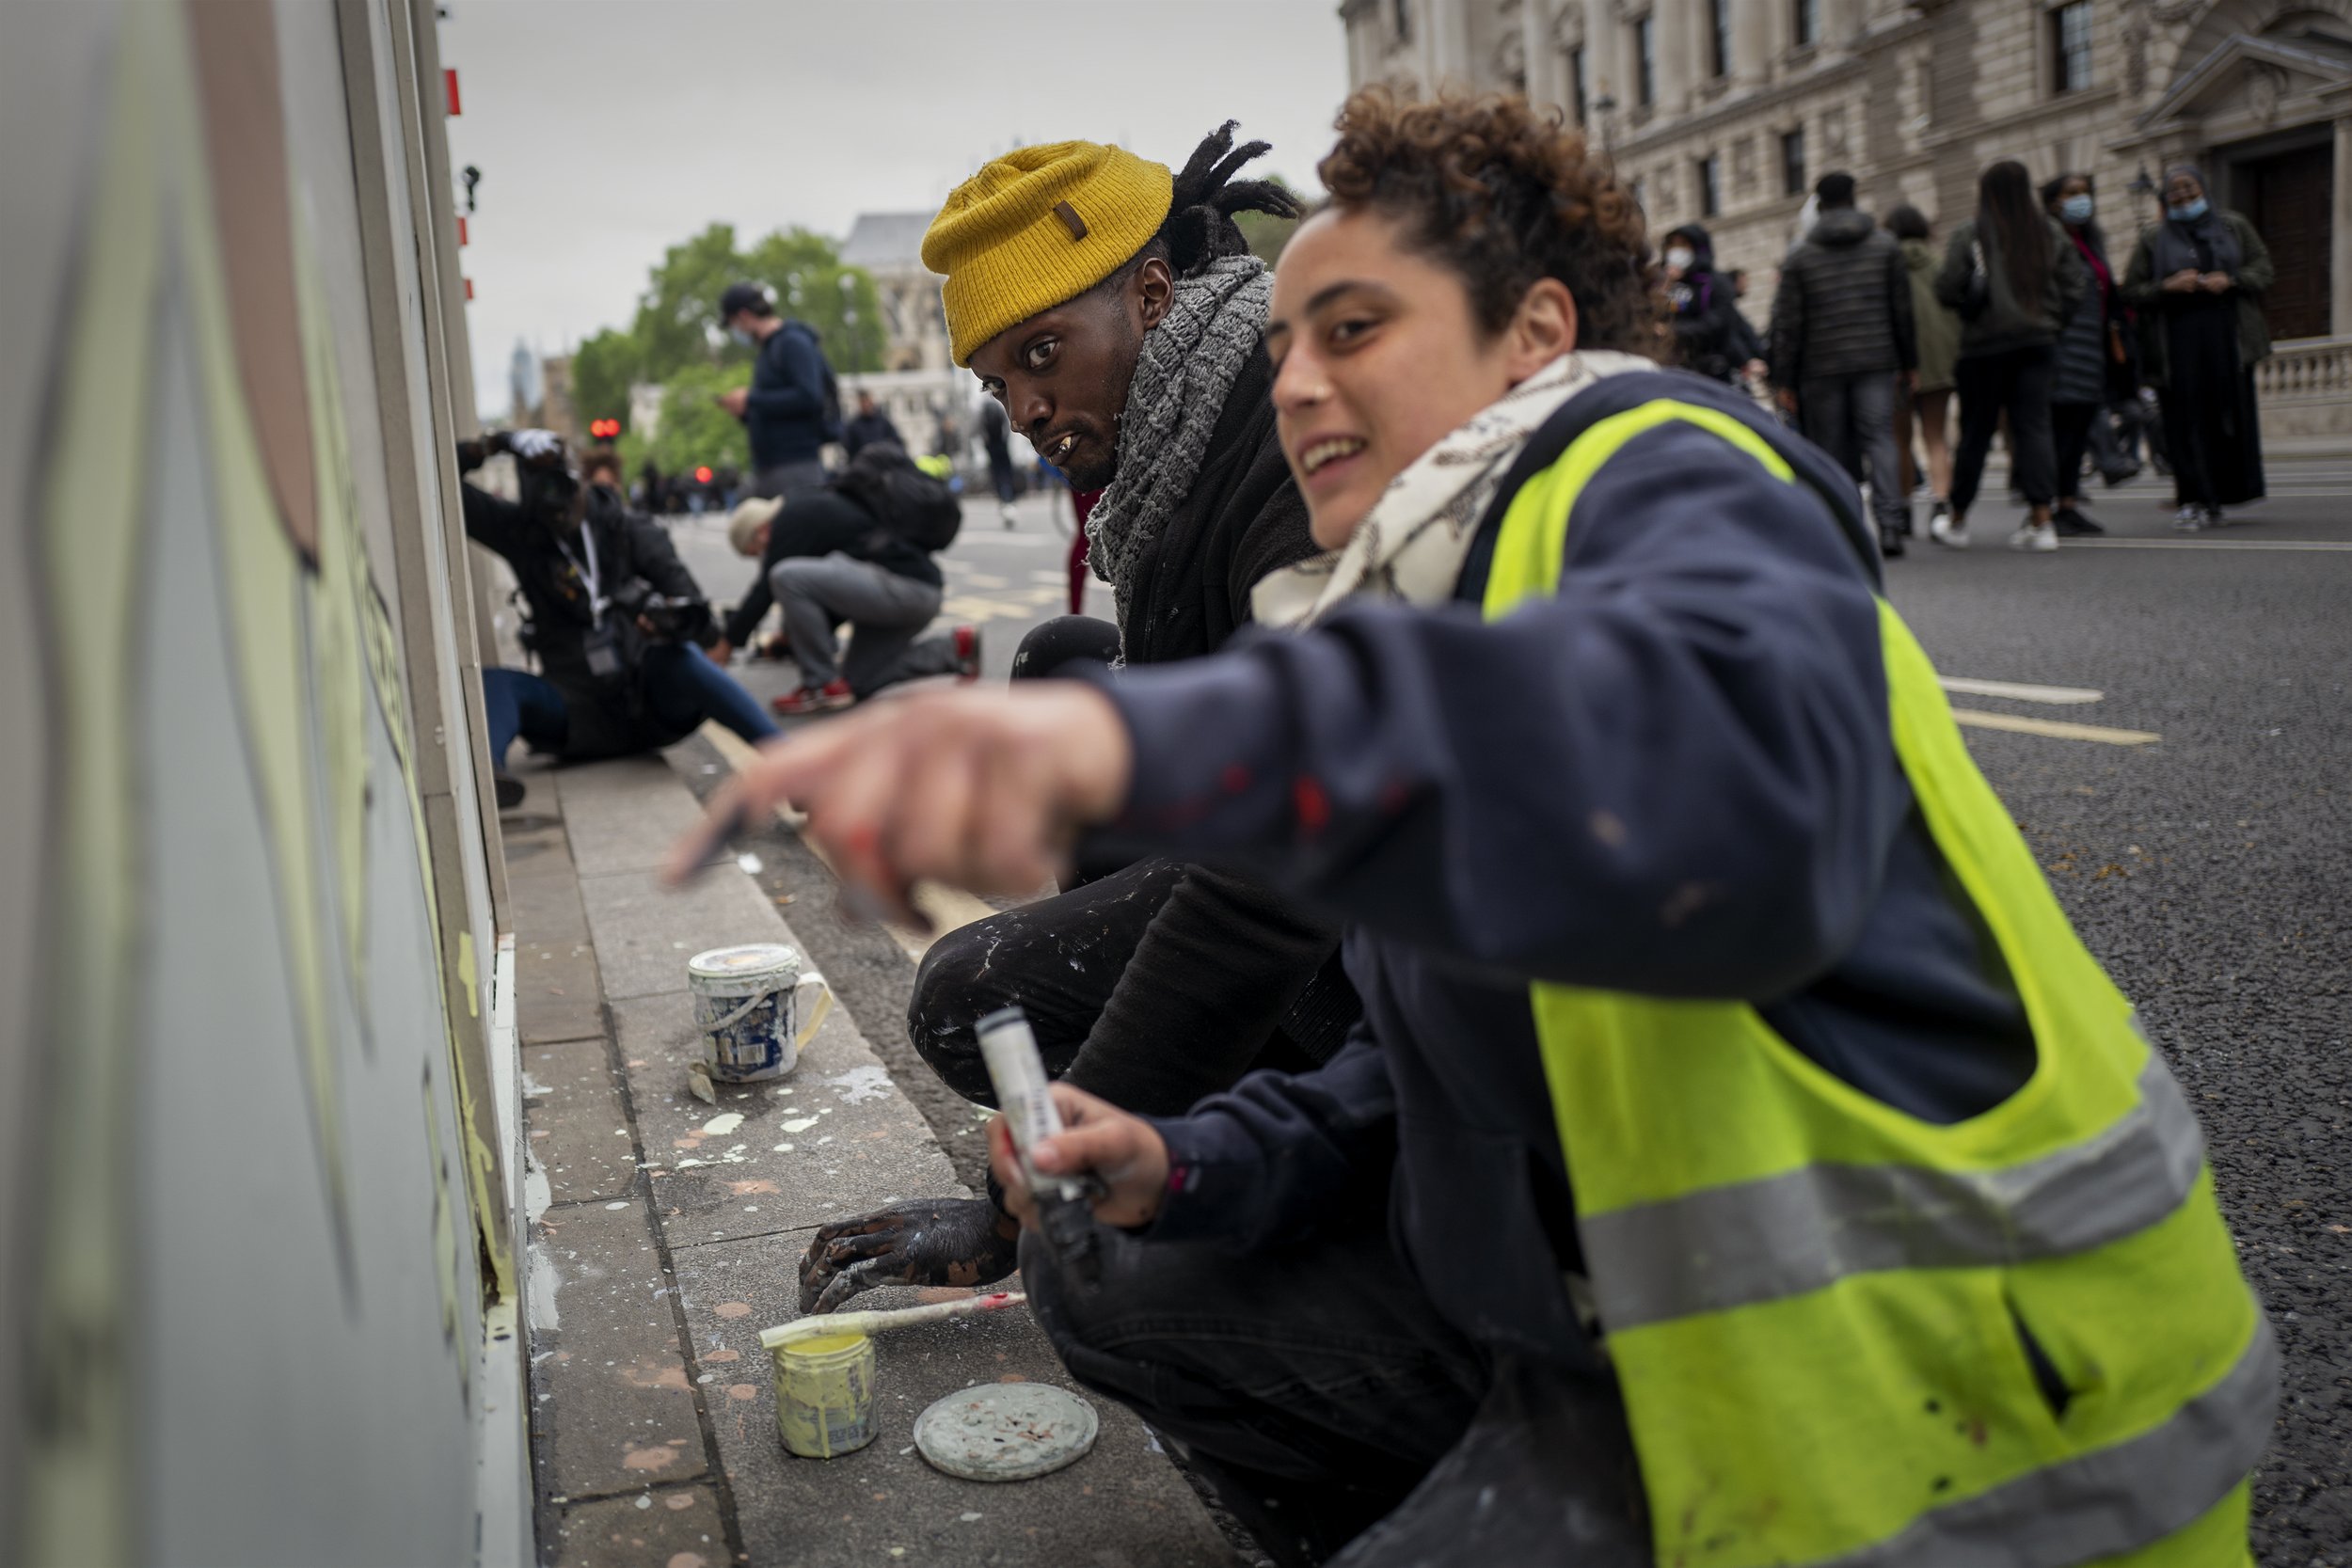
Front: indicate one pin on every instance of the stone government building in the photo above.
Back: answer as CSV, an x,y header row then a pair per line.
x,y
1724,111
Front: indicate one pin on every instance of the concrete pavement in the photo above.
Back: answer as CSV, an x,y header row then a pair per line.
x,y
667,1233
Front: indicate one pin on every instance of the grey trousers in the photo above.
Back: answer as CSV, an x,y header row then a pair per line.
x,y
789,479
1853,418
885,611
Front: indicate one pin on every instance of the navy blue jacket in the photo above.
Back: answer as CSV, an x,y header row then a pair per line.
x,y
1673,778
786,417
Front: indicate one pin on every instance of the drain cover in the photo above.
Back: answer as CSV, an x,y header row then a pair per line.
x,y
1005,1431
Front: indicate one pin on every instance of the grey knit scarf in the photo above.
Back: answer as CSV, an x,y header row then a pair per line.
x,y
1189,363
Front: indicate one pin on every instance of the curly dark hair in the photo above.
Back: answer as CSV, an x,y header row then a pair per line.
x,y
1503,195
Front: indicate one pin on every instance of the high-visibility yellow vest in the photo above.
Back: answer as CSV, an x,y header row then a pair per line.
x,y
1824,1311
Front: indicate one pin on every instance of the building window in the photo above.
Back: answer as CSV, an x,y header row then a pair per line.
x,y
1645,61
1401,19
1792,162
1719,37
1575,81
2069,47
1806,19
1710,176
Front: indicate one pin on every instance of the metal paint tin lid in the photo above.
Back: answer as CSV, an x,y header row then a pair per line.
x,y
1007,1431
760,964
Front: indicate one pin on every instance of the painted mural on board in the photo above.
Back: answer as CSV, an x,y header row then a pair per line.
x,y
236,1219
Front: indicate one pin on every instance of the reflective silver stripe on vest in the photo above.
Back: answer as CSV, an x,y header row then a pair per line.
x,y
2109,1501
1784,1235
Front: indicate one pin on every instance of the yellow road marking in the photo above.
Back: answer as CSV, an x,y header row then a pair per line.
x,y
2053,728
949,909
2019,690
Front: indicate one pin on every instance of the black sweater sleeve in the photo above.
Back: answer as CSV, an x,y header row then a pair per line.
x,y
1217,967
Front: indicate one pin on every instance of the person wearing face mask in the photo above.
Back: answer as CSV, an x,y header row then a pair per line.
x,y
1711,337
2196,280
2090,366
1741,1160
792,407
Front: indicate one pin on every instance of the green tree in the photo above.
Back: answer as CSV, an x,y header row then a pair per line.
x,y
678,316
693,429
603,369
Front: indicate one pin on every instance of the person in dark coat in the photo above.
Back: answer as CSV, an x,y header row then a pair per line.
x,y
1711,337
867,425
1122,336
2089,355
2015,279
2196,280
1842,334
793,405
996,437
617,621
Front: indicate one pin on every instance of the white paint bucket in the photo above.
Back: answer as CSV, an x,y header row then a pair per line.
x,y
747,1005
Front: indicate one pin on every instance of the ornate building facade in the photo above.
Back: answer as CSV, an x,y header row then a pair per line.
x,y
1724,111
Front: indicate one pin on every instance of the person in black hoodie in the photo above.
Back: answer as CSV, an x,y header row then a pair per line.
x,y
1113,308
1842,332
615,619
793,405
1711,335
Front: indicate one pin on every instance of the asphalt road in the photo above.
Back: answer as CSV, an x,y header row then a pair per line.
x,y
2211,869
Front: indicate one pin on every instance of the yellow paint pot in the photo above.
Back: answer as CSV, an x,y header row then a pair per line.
x,y
825,1394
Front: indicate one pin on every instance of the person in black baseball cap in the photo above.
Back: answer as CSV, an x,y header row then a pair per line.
x,y
793,406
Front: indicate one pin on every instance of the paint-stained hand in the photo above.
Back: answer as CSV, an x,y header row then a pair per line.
x,y
1121,1151
984,790
928,1242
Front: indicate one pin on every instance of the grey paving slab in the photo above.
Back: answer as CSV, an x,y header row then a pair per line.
x,y
557,993
577,1124
544,896
675,1526
1122,1506
624,815
834,1138
644,933
609,1382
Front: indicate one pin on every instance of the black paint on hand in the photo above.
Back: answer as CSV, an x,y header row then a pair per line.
x,y
927,1242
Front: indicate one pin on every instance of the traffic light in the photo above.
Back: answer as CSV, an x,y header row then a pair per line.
x,y
605,430
702,476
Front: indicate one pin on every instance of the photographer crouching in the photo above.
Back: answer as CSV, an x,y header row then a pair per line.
x,y
617,620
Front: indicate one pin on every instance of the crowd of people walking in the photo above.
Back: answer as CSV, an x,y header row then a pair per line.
x,y
2021,312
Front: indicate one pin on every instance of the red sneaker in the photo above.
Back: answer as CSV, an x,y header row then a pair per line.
x,y
828,698
967,653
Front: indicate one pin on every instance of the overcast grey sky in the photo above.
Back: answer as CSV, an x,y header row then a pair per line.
x,y
608,130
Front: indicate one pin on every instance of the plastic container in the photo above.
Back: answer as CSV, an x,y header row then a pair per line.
x,y
825,1395
749,1009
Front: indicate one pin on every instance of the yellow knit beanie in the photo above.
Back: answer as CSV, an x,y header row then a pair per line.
x,y
1037,227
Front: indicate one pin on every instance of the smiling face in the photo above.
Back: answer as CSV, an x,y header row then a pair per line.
x,y
1379,355
1062,375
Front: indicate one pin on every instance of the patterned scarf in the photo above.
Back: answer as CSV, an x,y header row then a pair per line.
x,y
1189,363
1410,547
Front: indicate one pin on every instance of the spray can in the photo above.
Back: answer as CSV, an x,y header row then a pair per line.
x,y
1065,1207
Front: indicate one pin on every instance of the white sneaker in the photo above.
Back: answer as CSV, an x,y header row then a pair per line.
x,y
1951,532
2190,519
1005,510
2033,537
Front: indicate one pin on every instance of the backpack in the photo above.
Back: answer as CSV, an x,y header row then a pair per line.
x,y
913,505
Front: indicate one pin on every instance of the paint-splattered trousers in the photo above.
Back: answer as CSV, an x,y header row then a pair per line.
x,y
1322,1395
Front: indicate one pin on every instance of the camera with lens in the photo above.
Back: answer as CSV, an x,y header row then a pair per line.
x,y
673,618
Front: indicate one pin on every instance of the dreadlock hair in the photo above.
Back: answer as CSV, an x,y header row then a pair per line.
x,y
2018,229
1200,227
1503,196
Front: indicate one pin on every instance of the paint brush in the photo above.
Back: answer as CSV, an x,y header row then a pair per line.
x,y
874,1322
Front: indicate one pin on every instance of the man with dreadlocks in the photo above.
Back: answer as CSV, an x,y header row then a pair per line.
x,y
1113,308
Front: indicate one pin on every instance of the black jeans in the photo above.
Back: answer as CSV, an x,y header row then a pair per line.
x,y
1317,1389
1853,418
2070,435
2015,380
